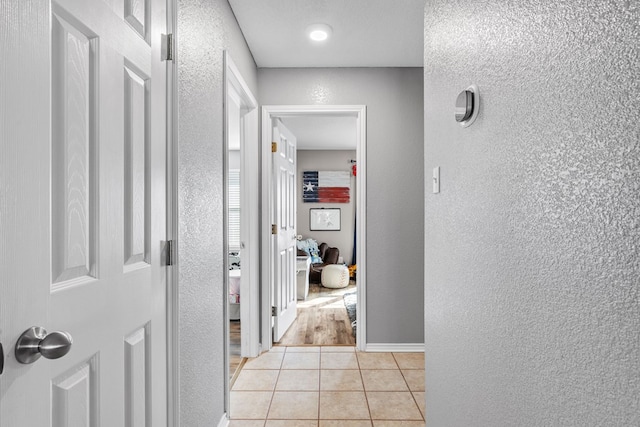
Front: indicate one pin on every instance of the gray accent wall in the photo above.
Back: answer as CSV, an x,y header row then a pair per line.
x,y
395,261
532,248
328,160
204,30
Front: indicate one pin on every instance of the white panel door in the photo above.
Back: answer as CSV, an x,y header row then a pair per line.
x,y
83,210
284,217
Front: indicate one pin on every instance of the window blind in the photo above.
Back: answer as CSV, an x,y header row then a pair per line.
x,y
234,209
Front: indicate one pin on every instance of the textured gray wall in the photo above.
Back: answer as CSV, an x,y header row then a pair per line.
x,y
328,160
532,257
393,97
205,29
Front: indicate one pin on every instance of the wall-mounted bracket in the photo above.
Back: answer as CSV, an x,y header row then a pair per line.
x,y
467,106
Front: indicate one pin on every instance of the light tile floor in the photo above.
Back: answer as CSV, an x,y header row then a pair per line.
x,y
329,387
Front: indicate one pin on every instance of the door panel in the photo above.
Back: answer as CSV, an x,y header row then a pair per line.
x,y
136,13
136,209
284,167
136,377
90,212
74,89
74,396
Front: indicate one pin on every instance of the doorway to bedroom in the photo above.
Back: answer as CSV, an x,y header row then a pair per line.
x,y
328,221
326,270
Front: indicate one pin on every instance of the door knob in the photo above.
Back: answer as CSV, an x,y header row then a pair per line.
x,y
35,342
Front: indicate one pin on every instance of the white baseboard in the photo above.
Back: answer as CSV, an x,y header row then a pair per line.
x,y
224,421
395,348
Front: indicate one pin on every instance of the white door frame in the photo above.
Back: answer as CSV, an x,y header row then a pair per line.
x,y
270,112
173,275
236,88
235,85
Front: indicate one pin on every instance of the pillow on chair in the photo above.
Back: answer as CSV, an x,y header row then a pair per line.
x,y
310,247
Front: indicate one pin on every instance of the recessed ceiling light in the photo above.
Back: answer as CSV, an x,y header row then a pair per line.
x,y
319,32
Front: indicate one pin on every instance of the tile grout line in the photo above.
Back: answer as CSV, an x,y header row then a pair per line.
x,y
273,392
416,402
319,386
364,390
413,396
403,376
408,387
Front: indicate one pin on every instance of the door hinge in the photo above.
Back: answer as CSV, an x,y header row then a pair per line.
x,y
273,311
167,47
169,252
274,147
274,228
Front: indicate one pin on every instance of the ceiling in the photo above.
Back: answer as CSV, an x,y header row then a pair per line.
x,y
366,33
323,132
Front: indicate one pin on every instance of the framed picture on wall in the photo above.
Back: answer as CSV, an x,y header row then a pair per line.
x,y
324,219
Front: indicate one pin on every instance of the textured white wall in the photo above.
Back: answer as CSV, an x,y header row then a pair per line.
x,y
393,97
205,29
532,257
328,160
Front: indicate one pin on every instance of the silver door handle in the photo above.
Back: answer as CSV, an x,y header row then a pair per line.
x,y
35,342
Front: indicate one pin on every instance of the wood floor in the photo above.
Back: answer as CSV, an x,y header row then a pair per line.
x,y
322,319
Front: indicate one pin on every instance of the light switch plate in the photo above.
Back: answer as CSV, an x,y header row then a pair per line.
x,y
436,180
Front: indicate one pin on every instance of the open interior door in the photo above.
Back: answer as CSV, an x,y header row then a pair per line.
x,y
284,229
83,214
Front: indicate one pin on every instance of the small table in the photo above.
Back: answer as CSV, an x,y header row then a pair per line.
x,y
302,276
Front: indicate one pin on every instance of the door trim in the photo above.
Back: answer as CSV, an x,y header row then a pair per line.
x,y
270,112
173,306
235,84
395,348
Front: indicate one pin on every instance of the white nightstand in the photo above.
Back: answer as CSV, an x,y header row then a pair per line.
x,y
234,299
302,276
